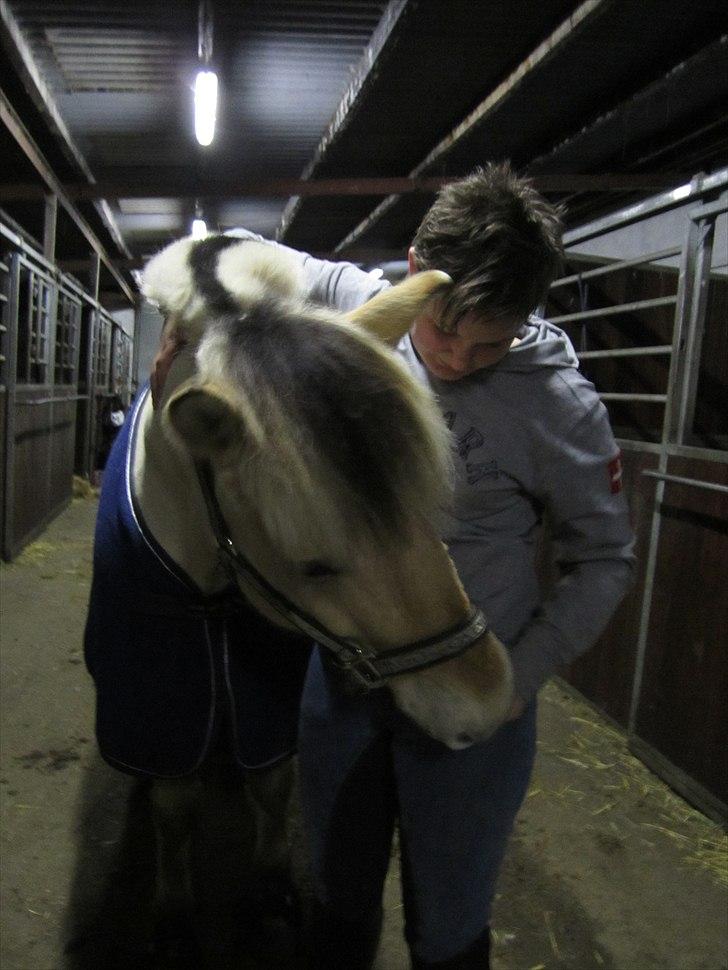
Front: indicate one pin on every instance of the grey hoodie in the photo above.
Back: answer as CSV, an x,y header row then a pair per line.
x,y
533,442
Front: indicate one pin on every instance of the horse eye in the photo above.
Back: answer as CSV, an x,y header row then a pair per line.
x,y
314,568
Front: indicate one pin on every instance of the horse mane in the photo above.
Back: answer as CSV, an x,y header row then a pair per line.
x,y
342,436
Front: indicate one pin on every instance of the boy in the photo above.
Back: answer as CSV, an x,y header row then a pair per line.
x,y
532,439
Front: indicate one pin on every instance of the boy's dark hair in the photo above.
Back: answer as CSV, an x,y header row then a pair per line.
x,y
497,238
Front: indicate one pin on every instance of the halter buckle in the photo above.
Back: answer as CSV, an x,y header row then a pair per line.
x,y
357,662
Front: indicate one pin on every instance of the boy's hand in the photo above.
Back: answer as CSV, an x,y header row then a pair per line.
x,y
170,345
517,708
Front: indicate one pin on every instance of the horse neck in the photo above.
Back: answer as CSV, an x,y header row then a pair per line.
x,y
171,502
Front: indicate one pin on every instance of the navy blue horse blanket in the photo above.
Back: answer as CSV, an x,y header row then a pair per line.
x,y
173,668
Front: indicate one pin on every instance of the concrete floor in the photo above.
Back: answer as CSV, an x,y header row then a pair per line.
x,y
607,868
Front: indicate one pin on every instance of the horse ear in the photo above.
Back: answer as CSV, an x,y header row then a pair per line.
x,y
205,420
389,315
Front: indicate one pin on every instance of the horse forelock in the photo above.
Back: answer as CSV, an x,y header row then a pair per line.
x,y
342,437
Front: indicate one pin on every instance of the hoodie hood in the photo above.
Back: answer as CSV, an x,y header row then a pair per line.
x,y
541,345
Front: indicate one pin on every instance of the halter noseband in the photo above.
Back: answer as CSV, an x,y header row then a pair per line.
x,y
368,668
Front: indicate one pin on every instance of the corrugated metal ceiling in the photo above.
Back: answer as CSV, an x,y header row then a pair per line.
x,y
122,78
323,89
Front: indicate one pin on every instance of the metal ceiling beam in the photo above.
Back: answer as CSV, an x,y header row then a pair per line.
x,y
364,71
707,66
608,182
563,34
20,54
227,190
18,130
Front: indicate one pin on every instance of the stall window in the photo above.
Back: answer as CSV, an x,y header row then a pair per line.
x,y
101,352
121,356
68,327
35,304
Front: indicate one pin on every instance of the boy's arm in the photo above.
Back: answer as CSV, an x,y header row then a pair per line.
x,y
340,285
593,547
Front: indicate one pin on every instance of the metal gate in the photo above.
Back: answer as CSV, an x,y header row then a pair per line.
x,y
40,414
55,375
651,331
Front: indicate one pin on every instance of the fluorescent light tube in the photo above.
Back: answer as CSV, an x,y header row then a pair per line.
x,y
199,229
205,106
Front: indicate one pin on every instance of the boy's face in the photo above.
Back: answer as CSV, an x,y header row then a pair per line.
x,y
477,343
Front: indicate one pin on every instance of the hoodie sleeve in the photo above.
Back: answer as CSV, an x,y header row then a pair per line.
x,y
340,285
581,490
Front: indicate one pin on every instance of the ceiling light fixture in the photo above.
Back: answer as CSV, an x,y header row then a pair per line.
x,y
199,228
206,80
205,106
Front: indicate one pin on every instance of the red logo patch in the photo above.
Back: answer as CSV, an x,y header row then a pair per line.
x,y
615,474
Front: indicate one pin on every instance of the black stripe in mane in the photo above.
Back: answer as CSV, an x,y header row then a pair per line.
x,y
342,398
203,259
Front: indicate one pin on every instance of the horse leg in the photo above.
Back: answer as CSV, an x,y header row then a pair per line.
x,y
174,803
271,793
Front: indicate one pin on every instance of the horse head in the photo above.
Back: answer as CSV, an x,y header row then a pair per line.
x,y
329,464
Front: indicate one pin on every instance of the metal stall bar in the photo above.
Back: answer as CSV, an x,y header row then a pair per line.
x,y
657,350
11,369
679,480
689,363
653,398
33,255
4,272
651,564
682,304
694,189
612,310
615,266
35,402
704,221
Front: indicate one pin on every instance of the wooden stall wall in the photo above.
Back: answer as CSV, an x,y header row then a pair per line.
x,y
606,673
681,709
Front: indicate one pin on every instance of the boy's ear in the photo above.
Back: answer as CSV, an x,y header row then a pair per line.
x,y
204,419
412,261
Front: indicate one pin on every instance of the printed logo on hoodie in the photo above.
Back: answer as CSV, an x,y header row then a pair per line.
x,y
467,442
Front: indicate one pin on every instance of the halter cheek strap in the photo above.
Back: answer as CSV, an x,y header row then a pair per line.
x,y
369,669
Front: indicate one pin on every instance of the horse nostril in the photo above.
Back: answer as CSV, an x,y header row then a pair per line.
x,y
464,739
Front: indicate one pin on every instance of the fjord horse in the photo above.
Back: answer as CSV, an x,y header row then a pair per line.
x,y
289,442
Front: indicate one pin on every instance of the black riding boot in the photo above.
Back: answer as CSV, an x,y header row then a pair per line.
x,y
335,943
476,957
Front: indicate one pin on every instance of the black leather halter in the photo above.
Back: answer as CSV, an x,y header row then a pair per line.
x,y
369,669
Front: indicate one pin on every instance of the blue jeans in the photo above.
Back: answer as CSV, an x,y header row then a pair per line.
x,y
363,765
